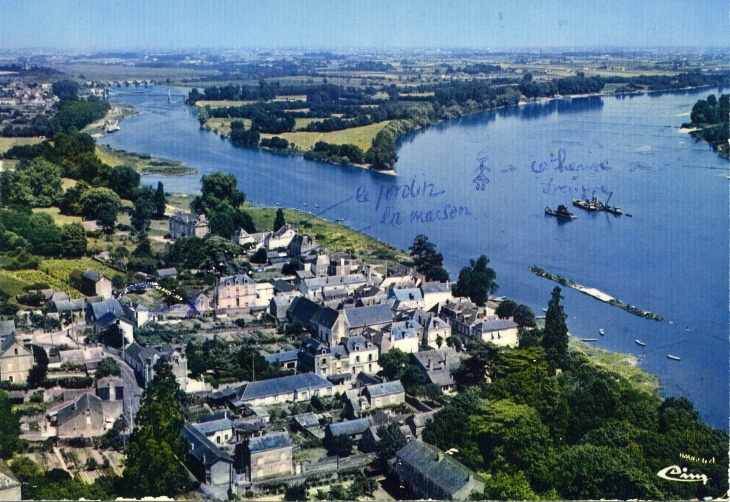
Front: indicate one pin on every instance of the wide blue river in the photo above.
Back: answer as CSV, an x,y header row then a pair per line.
x,y
479,185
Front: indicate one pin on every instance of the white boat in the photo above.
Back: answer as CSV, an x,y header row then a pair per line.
x,y
316,206
673,357
278,203
601,332
639,342
305,204
544,310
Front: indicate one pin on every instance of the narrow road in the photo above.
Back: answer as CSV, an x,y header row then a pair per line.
x,y
132,391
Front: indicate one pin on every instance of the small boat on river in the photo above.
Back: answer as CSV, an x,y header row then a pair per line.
x,y
673,357
562,212
589,205
639,342
601,332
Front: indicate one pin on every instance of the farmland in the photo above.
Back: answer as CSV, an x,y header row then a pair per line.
x,y
359,136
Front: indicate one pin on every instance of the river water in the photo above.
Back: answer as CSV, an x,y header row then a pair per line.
x,y
479,185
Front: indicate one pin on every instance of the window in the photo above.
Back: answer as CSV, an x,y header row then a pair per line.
x,y
370,357
370,368
226,437
218,439
357,359
16,351
10,378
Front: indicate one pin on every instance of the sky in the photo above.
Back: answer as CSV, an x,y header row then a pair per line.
x,y
99,25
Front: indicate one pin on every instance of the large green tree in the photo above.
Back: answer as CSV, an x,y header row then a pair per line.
x,y
393,363
159,200
427,260
555,334
218,192
391,440
477,281
279,221
73,240
156,450
9,427
100,204
124,180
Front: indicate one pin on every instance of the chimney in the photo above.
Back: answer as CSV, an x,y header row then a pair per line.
x,y
173,341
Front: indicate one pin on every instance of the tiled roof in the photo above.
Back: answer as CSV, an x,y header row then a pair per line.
x,y
166,272
240,279
92,275
488,326
86,401
406,295
435,287
270,442
368,316
385,389
284,385
357,343
442,470
69,305
282,357
420,419
6,328
349,427
325,316
108,305
7,477
302,309
214,426
307,420
203,449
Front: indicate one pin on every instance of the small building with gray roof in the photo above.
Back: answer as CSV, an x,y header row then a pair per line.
x,y
268,456
208,463
431,474
300,387
83,417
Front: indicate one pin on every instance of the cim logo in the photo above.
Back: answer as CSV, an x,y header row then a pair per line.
x,y
676,473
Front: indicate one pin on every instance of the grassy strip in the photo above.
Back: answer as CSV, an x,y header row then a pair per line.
x,y
617,303
331,236
621,364
142,163
7,143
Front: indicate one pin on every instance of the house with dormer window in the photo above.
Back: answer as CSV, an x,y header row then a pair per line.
x,y
363,355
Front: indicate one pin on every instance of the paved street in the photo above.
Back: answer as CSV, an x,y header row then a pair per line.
x,y
132,392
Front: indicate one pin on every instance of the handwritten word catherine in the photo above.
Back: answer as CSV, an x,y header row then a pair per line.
x,y
562,165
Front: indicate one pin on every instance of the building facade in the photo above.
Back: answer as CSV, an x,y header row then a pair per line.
x,y
187,225
16,360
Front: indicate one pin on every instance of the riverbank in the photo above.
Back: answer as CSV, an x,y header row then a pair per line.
x,y
144,164
598,295
110,123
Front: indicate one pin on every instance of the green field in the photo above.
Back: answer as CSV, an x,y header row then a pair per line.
x,y
143,164
7,143
223,126
359,136
60,268
11,285
58,218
